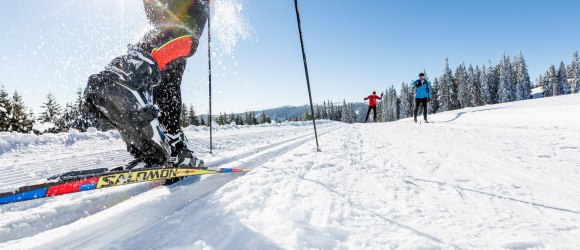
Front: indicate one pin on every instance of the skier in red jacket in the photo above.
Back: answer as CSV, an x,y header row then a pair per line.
x,y
373,105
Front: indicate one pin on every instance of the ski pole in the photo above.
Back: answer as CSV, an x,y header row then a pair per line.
x,y
306,71
209,71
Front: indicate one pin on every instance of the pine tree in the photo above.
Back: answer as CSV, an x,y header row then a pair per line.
x,y
462,86
324,111
575,76
434,107
486,92
550,85
493,82
255,119
183,121
563,87
523,84
394,103
264,118
20,121
389,107
192,117
471,94
5,110
477,82
445,95
345,113
506,91
52,114
406,98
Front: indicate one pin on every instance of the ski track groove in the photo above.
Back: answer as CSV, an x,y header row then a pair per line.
x,y
266,153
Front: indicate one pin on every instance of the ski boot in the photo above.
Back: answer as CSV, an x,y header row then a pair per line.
x,y
121,95
181,156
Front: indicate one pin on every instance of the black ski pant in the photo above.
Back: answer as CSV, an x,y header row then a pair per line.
x,y
374,108
177,27
418,102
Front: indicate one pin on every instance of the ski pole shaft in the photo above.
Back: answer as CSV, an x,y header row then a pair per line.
x,y
306,71
209,71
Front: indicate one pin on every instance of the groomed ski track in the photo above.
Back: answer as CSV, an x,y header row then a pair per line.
x,y
494,177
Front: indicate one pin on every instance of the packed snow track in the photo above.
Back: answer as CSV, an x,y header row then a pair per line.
x,y
494,177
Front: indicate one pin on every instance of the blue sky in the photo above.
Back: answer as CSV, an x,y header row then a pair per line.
x,y
353,47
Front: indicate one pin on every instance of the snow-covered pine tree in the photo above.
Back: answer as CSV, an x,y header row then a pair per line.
x,y
183,121
574,75
389,109
576,80
394,103
382,107
263,118
345,113
406,101
52,113
563,85
31,119
471,94
523,84
493,82
506,91
486,93
434,105
477,82
20,120
445,100
192,116
324,111
255,118
5,109
462,86
551,82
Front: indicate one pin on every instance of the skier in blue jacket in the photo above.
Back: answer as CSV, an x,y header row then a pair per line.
x,y
422,95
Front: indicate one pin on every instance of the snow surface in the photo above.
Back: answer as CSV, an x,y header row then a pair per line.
x,y
502,176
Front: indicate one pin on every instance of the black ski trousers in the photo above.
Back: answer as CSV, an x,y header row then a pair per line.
x,y
374,108
418,102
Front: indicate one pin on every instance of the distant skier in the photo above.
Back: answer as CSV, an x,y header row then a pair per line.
x,y
373,105
139,93
422,95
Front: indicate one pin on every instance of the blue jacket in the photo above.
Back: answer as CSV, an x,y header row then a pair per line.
x,y
424,91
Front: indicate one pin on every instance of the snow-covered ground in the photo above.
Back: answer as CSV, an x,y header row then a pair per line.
x,y
492,177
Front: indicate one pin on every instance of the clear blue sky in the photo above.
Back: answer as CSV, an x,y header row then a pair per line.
x,y
353,47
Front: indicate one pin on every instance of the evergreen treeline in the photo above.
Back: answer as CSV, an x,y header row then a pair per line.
x,y
471,86
467,86
330,111
14,115
247,118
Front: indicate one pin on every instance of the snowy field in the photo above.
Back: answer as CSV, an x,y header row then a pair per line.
x,y
503,176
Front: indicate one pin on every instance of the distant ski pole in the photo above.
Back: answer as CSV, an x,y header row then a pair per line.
x,y
306,71
209,71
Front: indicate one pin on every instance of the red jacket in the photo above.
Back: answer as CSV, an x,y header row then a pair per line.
x,y
373,100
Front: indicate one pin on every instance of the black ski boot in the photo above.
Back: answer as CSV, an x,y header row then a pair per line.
x,y
121,94
181,156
